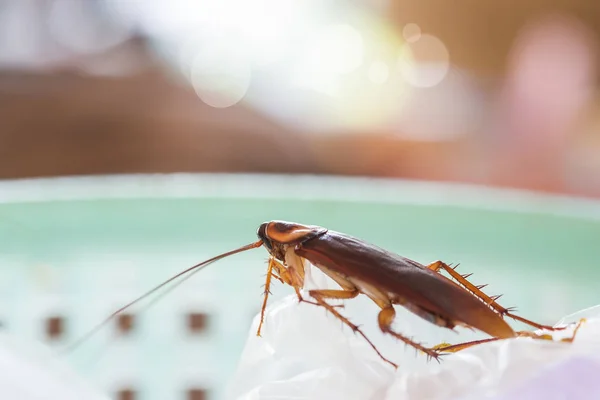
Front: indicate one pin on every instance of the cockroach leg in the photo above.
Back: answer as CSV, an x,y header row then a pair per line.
x,y
386,319
320,295
300,298
572,338
279,271
462,280
534,324
453,348
549,337
388,314
448,348
489,300
266,294
344,294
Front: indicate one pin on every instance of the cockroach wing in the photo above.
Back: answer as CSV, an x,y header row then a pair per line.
x,y
414,282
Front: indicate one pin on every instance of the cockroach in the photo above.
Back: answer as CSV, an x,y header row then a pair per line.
x,y
388,279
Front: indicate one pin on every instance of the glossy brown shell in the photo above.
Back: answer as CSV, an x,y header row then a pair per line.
x,y
428,289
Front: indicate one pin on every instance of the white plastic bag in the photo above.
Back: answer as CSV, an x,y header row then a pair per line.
x,y
305,353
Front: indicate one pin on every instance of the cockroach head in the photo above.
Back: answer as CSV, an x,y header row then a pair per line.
x,y
274,248
277,235
262,235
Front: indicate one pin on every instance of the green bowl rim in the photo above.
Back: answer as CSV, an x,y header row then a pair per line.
x,y
352,189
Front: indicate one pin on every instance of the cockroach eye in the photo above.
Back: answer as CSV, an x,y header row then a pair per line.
x,y
262,235
268,244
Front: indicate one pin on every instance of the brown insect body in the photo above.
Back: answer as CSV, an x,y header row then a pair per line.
x,y
366,266
386,278
404,281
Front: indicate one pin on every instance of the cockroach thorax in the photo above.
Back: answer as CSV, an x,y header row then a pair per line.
x,y
287,232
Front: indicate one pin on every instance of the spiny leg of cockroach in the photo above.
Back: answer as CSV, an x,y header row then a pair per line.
x,y
386,319
266,293
386,315
489,300
343,294
278,271
453,348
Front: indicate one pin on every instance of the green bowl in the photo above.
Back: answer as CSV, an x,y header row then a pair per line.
x,y
79,248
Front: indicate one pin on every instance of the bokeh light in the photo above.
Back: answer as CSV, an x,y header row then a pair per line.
x,y
221,75
94,33
430,61
378,72
551,72
411,33
340,49
328,54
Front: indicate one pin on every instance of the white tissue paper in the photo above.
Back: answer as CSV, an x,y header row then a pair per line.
x,y
305,353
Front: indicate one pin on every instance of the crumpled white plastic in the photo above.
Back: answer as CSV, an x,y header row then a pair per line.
x,y
305,353
30,371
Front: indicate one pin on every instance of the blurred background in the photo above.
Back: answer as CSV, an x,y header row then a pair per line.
x,y
502,95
